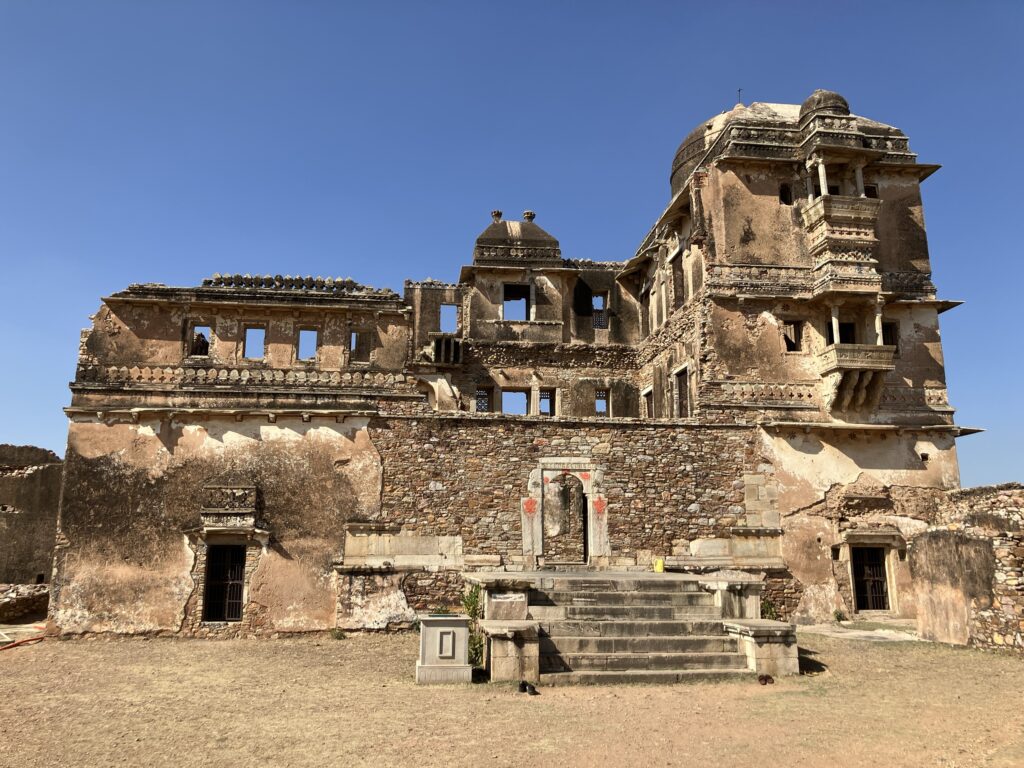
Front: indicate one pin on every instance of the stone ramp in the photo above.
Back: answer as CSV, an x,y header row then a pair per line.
x,y
631,630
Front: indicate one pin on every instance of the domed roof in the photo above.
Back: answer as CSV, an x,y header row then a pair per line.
x,y
829,102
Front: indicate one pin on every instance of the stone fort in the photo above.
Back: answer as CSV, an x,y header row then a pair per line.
x,y
754,399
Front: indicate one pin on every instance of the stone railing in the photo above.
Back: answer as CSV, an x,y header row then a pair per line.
x,y
238,376
856,357
848,213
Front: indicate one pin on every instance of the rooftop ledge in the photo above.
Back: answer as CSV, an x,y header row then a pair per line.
x,y
819,426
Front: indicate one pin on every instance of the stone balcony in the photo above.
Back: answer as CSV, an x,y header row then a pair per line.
x,y
841,234
854,374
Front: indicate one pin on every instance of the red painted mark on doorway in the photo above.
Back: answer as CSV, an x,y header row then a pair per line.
x,y
530,506
600,505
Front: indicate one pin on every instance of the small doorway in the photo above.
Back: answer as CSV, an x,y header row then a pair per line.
x,y
225,583
566,522
870,581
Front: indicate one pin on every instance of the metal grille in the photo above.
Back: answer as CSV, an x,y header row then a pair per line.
x,y
869,579
600,318
225,583
483,401
601,402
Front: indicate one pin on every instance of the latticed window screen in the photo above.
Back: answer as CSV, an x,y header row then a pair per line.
x,y
225,583
601,402
483,401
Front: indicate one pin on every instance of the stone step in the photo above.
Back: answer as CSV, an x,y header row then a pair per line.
x,y
648,644
624,612
620,662
644,676
634,597
648,584
630,629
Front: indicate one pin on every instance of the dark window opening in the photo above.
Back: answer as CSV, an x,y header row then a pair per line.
x,y
40,578
484,400
515,402
869,579
601,402
847,334
360,346
308,342
833,189
683,394
254,344
449,318
225,583
516,302
546,402
600,310
678,281
199,344
891,335
786,194
649,404
871,190
836,552
793,336
447,351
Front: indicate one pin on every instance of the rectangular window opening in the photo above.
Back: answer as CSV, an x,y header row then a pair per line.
x,y
360,347
254,344
484,400
600,310
225,583
649,404
308,342
891,335
786,193
515,403
199,341
546,402
871,190
793,336
449,318
683,394
516,302
601,402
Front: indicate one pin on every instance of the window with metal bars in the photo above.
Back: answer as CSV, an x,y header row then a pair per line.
x,y
225,583
601,402
546,402
600,310
484,400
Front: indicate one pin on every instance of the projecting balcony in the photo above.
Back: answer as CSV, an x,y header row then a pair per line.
x,y
854,374
841,234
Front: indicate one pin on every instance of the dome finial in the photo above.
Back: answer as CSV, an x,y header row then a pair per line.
x,y
529,215
496,215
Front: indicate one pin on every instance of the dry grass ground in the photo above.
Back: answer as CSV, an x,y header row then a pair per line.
x,y
323,702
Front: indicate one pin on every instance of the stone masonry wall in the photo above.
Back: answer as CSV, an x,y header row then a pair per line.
x,y
465,475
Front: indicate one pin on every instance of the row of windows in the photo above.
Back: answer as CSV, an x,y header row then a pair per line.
x,y
518,402
254,343
682,406
517,305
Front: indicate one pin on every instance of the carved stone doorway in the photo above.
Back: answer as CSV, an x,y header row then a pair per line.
x,y
566,521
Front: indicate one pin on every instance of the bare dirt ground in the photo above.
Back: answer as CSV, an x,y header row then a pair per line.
x,y
324,702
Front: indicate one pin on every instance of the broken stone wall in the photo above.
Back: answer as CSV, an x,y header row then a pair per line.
x,y
968,569
29,496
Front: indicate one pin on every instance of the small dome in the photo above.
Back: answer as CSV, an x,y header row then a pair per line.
x,y
828,102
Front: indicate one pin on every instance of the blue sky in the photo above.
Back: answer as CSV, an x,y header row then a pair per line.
x,y
164,141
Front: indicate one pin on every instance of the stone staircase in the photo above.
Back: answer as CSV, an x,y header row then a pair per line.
x,y
630,630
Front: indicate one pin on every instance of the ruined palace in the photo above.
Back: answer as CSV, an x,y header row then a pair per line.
x,y
754,398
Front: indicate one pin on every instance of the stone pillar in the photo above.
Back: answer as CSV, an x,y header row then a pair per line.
x,y
809,183
878,324
835,324
822,177
858,175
